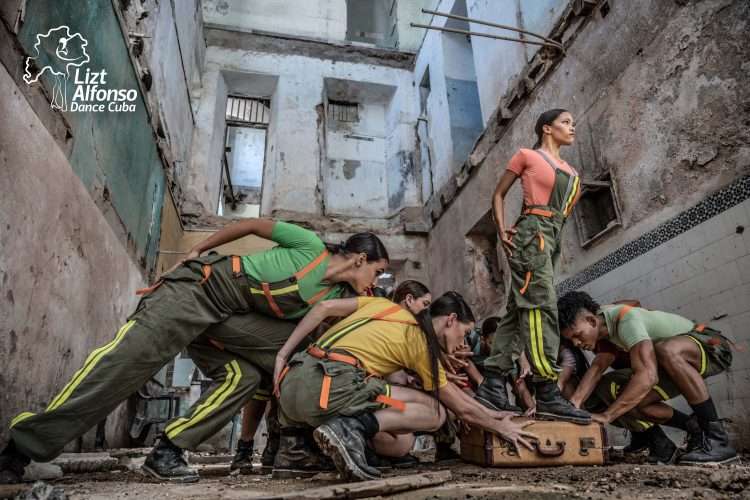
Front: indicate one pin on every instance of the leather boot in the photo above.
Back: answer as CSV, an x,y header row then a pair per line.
x,y
343,439
493,394
551,405
167,463
714,447
298,456
661,449
243,458
12,464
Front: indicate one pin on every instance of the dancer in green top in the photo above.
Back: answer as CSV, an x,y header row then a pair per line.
x,y
184,309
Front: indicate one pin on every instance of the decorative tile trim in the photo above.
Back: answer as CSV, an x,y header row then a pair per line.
x,y
723,199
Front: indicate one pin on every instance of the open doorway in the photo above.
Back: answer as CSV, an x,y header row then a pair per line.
x,y
244,158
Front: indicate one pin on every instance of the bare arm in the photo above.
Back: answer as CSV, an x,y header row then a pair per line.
x,y
498,210
235,231
473,413
601,362
645,376
321,311
231,232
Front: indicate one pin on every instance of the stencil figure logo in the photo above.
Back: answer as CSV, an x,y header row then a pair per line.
x,y
56,53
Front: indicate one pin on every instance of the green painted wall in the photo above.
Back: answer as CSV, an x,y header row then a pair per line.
x,y
114,153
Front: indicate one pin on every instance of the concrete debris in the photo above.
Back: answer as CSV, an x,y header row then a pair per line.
x,y
43,491
36,471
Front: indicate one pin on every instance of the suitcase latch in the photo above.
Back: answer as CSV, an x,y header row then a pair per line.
x,y
585,444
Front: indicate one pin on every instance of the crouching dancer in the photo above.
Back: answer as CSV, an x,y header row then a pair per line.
x,y
337,385
669,356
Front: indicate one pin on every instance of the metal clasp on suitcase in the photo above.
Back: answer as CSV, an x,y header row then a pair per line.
x,y
585,444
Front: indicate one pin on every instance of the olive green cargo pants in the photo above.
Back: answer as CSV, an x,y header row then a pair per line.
x,y
186,310
530,323
351,392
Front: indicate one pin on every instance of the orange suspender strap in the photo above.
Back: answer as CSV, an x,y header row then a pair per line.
x,y
236,264
538,211
315,298
622,312
699,328
526,283
147,290
396,404
206,272
383,315
325,391
217,344
312,265
271,302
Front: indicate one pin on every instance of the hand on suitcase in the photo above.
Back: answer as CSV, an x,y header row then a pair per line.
x,y
513,432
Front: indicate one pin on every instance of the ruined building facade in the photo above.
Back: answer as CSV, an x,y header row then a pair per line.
x,y
338,115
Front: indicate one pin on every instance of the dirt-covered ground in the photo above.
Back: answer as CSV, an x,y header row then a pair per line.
x,y
620,480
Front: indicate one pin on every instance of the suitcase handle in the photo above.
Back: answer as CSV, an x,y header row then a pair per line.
x,y
551,451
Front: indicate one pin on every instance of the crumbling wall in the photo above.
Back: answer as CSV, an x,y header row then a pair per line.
x,y
114,153
67,280
663,106
298,176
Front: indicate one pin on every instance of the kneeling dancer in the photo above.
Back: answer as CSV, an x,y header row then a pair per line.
x,y
336,385
669,356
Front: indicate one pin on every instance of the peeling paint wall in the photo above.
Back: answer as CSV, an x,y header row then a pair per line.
x,y
664,107
498,62
59,259
315,19
81,220
114,154
309,168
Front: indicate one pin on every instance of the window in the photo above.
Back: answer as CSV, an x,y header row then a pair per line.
x,y
342,111
372,21
598,211
247,122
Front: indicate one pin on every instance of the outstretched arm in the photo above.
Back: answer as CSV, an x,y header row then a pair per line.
x,y
229,233
602,361
473,413
645,376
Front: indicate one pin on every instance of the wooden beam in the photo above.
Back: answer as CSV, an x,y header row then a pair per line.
x,y
378,487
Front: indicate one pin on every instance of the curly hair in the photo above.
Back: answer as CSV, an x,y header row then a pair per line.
x,y
570,304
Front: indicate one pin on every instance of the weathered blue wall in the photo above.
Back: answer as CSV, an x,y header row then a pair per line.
x,y
466,116
114,154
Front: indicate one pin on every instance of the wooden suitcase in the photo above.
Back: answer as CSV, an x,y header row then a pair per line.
x,y
560,443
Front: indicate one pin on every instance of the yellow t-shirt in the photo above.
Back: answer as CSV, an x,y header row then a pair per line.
x,y
384,347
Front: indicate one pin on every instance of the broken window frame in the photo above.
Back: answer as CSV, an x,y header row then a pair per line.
x,y
606,180
342,111
252,112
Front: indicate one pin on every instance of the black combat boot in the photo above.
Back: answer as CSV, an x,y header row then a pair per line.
x,y
167,463
661,449
243,458
551,405
493,394
694,436
344,440
12,464
268,456
638,442
298,456
712,448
